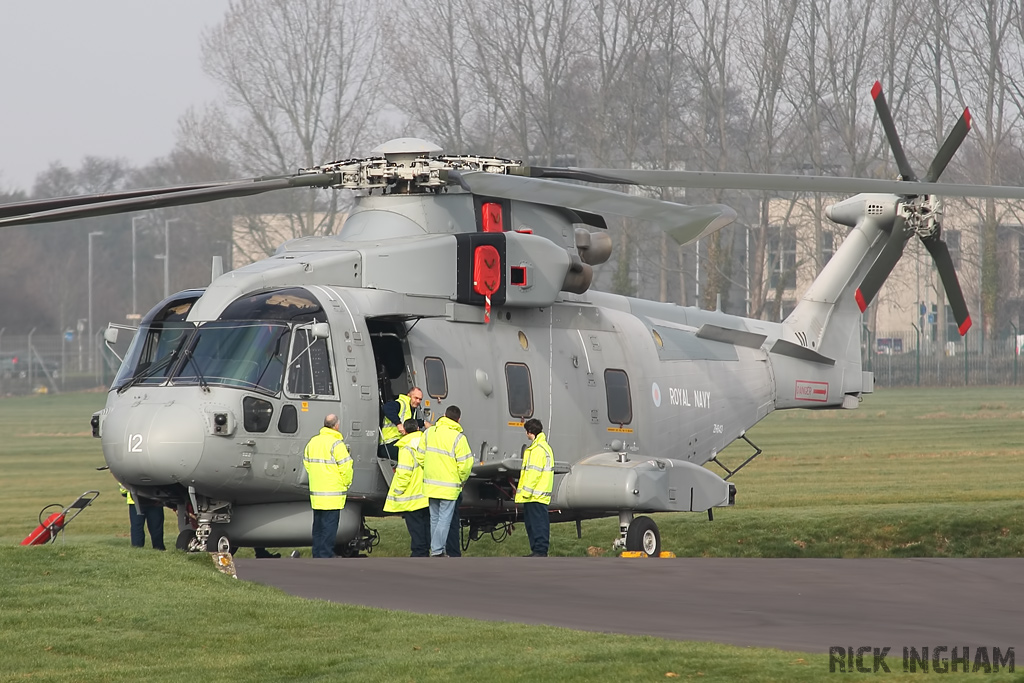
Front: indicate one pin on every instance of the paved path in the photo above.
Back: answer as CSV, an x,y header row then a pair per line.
x,y
805,605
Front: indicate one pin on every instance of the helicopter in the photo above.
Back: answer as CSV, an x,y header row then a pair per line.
x,y
470,278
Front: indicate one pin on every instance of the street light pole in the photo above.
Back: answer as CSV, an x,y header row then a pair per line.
x,y
135,308
167,256
95,233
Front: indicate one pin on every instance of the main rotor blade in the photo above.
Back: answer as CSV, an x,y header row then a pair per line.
x,y
682,222
780,182
883,265
49,204
949,147
171,198
885,116
936,246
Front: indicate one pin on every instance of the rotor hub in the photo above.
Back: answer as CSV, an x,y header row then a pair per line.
x,y
406,163
923,215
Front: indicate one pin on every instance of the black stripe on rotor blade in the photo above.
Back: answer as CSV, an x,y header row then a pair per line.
x,y
936,246
949,147
52,203
885,116
883,265
780,182
553,173
178,198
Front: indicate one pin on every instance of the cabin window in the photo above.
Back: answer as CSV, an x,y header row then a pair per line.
x,y
309,367
256,414
520,390
437,380
620,404
289,420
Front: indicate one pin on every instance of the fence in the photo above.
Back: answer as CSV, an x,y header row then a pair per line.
x,y
43,363
904,359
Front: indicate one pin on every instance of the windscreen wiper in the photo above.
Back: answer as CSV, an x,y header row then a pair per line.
x,y
149,372
199,373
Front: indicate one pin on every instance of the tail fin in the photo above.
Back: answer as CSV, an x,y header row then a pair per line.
x,y
828,317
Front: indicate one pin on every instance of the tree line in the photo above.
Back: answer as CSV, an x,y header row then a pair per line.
x,y
778,86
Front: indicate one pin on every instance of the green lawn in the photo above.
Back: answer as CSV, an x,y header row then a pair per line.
x,y
913,473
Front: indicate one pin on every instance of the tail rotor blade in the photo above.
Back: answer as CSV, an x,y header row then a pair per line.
x,y
883,265
885,116
950,282
949,147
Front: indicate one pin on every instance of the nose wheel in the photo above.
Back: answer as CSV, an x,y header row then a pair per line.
x,y
638,534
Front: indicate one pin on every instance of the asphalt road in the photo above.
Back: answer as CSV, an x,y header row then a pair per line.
x,y
805,605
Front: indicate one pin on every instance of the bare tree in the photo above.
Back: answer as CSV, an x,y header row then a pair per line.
x,y
300,88
766,32
981,39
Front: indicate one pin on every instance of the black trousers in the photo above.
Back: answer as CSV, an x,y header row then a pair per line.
x,y
538,527
152,515
418,524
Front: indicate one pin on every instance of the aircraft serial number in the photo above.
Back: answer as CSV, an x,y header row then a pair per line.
x,y
135,443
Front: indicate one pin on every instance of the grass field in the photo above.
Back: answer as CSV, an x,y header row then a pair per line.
x,y
913,473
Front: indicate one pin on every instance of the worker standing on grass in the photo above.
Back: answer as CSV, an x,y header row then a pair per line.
x,y
329,466
146,513
406,492
447,462
534,491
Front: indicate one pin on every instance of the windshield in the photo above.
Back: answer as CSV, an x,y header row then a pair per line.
x,y
153,352
251,355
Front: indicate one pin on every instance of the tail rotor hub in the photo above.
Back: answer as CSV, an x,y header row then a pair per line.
x,y
923,215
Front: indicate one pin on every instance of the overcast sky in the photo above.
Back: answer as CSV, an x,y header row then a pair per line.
x,y
97,77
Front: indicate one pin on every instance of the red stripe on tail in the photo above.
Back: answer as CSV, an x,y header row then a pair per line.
x,y
966,326
860,301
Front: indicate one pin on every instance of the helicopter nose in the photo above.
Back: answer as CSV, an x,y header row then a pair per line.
x,y
153,443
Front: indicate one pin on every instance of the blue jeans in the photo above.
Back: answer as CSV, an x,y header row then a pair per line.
x,y
441,512
325,532
152,515
454,545
538,527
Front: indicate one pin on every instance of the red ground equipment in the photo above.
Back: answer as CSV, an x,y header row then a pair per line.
x,y
56,521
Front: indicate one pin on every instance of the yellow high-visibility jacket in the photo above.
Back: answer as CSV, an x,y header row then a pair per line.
x,y
389,431
406,492
446,459
330,470
538,473
126,493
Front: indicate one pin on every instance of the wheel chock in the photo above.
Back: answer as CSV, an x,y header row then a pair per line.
x,y
641,553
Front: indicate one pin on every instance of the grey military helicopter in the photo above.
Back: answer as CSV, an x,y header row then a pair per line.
x,y
470,277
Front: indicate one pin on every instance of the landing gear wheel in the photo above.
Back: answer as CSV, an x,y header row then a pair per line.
x,y
185,540
643,535
218,541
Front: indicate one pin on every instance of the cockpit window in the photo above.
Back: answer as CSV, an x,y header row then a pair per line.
x,y
243,354
262,343
309,371
294,304
158,343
